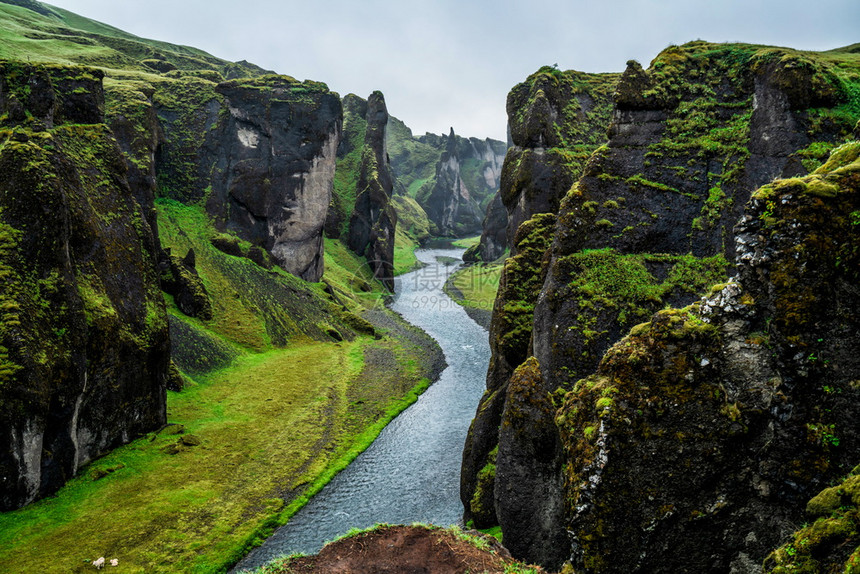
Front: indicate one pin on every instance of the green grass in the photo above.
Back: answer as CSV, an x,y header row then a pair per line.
x,y
478,285
275,424
197,510
466,242
158,511
404,253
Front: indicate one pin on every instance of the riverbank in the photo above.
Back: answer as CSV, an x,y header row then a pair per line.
x,y
474,288
411,472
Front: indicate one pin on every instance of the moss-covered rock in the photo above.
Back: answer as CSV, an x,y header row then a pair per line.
x,y
832,542
528,481
85,348
510,333
649,220
179,278
702,434
557,119
449,203
373,220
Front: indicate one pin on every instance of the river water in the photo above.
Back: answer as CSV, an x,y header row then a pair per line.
x,y
411,473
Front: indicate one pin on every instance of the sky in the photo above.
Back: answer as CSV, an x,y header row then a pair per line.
x,y
451,63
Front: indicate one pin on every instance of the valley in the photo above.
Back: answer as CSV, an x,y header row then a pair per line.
x,y
242,315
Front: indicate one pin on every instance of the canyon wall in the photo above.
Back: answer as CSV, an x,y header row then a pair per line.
x,y
373,220
85,348
648,222
260,154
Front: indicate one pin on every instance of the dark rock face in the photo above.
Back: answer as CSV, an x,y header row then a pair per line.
x,y
134,123
556,120
650,218
703,433
494,236
84,347
452,178
278,155
179,278
528,458
371,227
533,180
449,201
260,153
510,334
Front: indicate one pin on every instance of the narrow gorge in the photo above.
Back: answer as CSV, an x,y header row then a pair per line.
x,y
244,315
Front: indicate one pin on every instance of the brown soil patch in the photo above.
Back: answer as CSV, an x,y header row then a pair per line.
x,y
403,550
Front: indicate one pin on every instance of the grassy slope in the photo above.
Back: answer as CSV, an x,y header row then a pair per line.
x,y
476,285
196,509
66,38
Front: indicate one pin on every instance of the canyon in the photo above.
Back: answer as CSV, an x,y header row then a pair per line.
x,y
673,377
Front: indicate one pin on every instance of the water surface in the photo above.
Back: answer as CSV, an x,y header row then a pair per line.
x,y
411,473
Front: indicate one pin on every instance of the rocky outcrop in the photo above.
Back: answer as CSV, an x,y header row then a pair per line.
x,y
260,153
449,205
453,178
703,433
830,543
494,236
84,347
534,178
179,278
371,227
650,220
277,159
556,120
415,548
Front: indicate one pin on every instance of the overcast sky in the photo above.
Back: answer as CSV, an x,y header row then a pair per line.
x,y
444,63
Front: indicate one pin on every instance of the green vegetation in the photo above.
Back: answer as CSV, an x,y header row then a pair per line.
x,y
230,468
413,162
168,504
58,36
532,100
466,242
412,229
521,284
476,285
623,282
831,543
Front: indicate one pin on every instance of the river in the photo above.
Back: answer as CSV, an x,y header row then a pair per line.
x,y
411,472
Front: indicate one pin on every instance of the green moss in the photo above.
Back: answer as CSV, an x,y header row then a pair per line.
x,y
9,306
831,543
481,504
552,89
521,283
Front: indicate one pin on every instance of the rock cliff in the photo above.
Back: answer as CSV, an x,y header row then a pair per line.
x,y
703,433
467,174
649,222
85,347
261,154
453,178
556,119
373,220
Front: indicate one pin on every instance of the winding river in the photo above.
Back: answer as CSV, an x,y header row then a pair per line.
x,y
411,473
